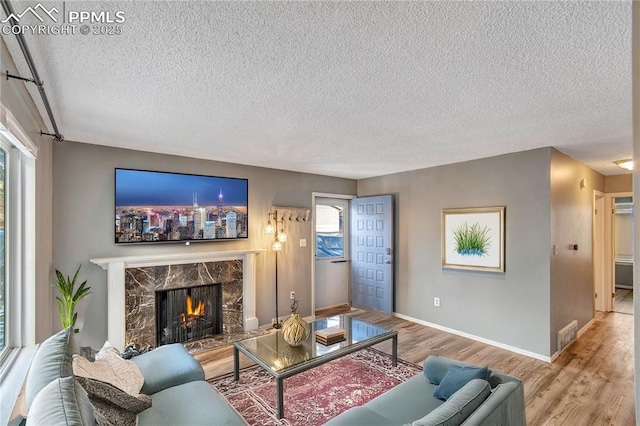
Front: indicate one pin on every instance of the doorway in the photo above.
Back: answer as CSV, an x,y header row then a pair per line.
x,y
332,269
353,253
601,300
623,254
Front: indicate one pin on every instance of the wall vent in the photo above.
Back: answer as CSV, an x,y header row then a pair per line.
x,y
567,335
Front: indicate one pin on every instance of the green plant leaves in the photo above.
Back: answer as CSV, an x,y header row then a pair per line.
x,y
69,297
472,240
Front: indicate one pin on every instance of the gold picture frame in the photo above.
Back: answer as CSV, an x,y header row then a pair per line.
x,y
473,238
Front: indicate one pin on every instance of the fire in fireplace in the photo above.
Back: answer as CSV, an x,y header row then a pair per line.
x,y
188,313
192,316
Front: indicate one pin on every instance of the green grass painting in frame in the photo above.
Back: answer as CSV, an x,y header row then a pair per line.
x,y
473,238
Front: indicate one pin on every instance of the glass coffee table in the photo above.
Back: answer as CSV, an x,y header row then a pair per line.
x,y
276,357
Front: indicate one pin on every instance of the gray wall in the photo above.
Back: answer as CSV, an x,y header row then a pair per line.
x,y
83,224
511,308
571,223
16,98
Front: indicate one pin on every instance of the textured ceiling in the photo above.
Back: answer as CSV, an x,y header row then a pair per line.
x,y
351,89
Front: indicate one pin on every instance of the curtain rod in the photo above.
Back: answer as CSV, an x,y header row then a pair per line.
x,y
8,10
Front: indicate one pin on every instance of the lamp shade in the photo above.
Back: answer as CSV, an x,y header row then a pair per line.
x,y
269,229
277,246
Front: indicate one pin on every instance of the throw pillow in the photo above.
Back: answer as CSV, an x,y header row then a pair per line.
x,y
51,361
107,348
457,376
110,368
62,402
435,367
113,407
459,406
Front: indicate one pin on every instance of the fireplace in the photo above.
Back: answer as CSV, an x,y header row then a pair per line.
x,y
189,313
146,287
133,281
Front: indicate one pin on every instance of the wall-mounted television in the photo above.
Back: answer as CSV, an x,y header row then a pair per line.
x,y
156,207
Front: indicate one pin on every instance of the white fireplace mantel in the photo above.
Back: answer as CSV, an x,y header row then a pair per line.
x,y
115,267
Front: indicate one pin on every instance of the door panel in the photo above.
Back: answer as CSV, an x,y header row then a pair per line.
x,y
372,252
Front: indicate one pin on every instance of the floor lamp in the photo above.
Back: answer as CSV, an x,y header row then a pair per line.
x,y
281,237
277,246
275,226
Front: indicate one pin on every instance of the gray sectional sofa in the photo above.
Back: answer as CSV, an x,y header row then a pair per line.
x,y
178,394
173,379
495,402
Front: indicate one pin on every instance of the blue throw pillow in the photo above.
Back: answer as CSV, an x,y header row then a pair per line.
x,y
458,376
435,367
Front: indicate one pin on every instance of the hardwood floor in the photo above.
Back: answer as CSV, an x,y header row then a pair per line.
x,y
591,383
623,301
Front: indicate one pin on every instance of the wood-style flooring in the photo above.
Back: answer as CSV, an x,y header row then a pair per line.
x,y
623,301
591,383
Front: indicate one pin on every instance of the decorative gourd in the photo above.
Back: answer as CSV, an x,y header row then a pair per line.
x,y
295,330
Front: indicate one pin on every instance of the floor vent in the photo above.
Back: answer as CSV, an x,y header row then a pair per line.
x,y
567,335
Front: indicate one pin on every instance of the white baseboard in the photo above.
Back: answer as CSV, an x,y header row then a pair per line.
x,y
476,338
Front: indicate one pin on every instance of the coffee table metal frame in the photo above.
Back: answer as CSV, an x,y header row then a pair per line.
x,y
307,365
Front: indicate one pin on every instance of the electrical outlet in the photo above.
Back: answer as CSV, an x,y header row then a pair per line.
x,y
303,242
292,295
436,301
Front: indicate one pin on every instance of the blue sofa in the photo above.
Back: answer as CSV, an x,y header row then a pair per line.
x,y
173,379
497,401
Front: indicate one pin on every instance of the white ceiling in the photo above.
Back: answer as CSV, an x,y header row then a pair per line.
x,y
350,89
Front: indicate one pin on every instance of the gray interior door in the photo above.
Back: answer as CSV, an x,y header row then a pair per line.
x,y
372,252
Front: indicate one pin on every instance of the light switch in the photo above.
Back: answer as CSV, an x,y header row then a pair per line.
x,y
303,242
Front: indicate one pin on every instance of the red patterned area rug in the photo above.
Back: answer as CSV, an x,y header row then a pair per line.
x,y
317,395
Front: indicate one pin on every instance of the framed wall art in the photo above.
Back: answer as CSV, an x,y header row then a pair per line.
x,y
473,238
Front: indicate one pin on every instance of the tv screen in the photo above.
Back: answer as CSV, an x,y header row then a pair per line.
x,y
165,207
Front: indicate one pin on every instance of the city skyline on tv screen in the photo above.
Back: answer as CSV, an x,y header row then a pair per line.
x,y
160,206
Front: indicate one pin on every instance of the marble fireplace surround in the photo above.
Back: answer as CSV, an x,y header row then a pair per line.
x,y
119,267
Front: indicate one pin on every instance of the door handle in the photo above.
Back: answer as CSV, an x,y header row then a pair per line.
x,y
340,261
387,262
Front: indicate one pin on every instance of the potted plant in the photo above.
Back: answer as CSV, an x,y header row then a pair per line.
x,y
69,298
